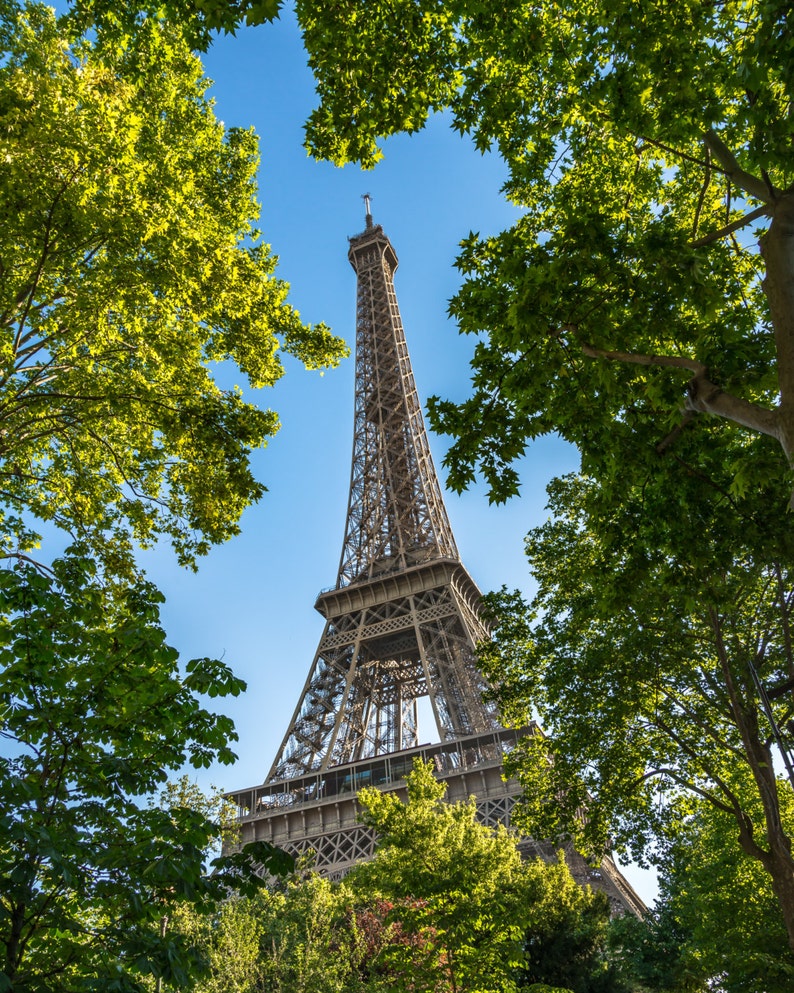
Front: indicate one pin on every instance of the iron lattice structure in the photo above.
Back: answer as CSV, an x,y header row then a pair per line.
x,y
402,621
402,624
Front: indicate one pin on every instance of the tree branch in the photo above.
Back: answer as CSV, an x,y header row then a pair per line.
x,y
703,395
635,358
703,191
745,717
740,222
785,618
744,180
707,397
672,437
689,786
707,728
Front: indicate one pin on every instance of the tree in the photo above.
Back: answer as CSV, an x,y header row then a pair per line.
x,y
654,953
229,943
198,20
724,908
716,923
94,714
445,905
571,951
644,143
309,940
296,936
131,269
644,666
485,920
463,908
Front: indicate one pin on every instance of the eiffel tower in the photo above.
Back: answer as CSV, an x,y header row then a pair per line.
x,y
401,628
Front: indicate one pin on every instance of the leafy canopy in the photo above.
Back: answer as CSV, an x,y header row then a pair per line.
x,y
724,908
445,905
644,141
131,270
94,715
197,20
641,655
481,918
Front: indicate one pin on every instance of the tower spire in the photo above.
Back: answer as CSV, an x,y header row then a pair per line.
x,y
366,198
396,515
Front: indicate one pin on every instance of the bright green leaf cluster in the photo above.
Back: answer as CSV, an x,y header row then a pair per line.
x,y
130,271
445,905
197,20
468,913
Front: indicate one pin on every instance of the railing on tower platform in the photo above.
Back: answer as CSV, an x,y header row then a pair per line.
x,y
465,754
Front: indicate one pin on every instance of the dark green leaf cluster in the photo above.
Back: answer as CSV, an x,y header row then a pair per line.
x,y
639,663
723,908
716,924
380,68
639,139
94,715
198,20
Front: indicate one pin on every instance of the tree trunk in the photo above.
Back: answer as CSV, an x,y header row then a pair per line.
x,y
14,943
776,858
777,249
781,870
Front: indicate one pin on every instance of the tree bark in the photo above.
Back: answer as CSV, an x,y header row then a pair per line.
x,y
14,942
777,250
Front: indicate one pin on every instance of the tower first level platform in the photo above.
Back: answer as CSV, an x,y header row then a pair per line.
x,y
318,814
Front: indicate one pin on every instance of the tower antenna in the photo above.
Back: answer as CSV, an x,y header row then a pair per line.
x,y
366,198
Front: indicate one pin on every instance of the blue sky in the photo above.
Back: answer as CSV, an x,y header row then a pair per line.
x,y
252,600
